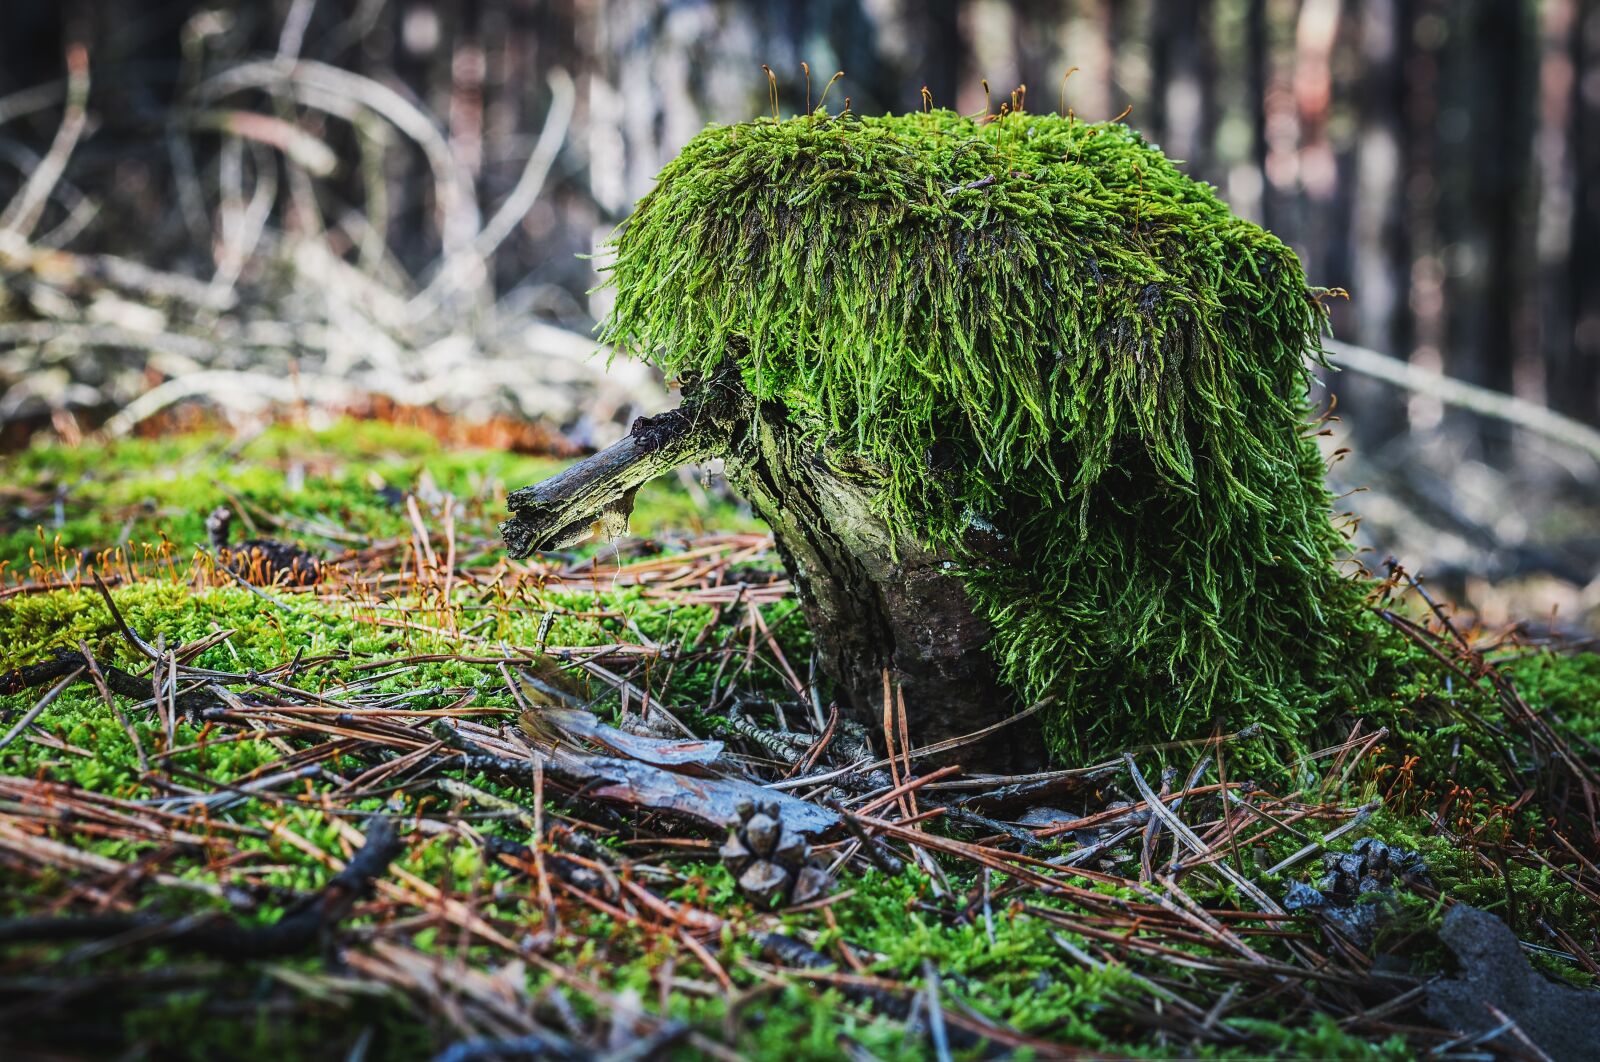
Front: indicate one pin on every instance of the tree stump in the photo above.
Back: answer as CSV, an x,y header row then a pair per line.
x,y
879,604
1026,409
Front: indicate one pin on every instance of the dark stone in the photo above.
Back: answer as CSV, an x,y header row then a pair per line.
x,y
1563,1021
1356,888
1302,897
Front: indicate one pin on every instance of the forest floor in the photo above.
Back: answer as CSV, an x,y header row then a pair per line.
x,y
311,821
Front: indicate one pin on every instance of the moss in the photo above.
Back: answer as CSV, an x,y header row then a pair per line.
x,y
342,484
1041,326
1022,978
1567,688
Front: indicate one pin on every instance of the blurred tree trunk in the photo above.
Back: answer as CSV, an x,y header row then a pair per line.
x,y
941,48
1575,370
1554,158
1182,111
1259,54
1487,127
1381,251
1423,194
1320,201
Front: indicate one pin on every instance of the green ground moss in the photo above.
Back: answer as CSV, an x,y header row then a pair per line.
x,y
1039,325
1444,732
336,487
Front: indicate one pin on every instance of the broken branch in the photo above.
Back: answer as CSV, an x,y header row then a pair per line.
x,y
563,509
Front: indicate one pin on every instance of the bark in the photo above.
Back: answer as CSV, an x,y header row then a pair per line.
x,y
875,601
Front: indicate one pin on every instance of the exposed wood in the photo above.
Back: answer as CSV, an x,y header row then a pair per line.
x,y
877,601
874,600
562,509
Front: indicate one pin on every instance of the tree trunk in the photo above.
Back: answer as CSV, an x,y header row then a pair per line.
x,y
1575,378
1184,76
1381,255
877,604
1484,220
1259,50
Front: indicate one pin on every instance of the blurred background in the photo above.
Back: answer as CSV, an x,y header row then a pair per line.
x,y
229,208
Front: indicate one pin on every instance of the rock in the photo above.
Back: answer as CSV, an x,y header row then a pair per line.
x,y
1354,891
1563,1021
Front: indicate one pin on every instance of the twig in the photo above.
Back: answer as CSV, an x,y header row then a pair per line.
x,y
31,100
1179,827
552,135
1363,813
297,930
34,712
20,216
1480,400
340,92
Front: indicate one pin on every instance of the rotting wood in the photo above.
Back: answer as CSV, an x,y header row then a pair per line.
x,y
874,599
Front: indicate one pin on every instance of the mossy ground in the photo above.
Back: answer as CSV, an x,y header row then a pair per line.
x,y
341,485
151,496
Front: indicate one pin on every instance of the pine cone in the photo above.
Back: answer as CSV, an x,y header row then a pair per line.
x,y
262,561
771,862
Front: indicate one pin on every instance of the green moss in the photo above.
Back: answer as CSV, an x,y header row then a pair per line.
x,y
1567,688
1022,978
333,488
1038,326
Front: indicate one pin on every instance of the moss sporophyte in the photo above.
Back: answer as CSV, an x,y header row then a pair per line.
x,y
1055,360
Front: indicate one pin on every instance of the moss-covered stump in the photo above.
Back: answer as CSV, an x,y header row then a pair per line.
x,y
1025,405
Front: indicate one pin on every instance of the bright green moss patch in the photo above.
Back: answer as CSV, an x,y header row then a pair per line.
x,y
1567,688
333,489
1038,327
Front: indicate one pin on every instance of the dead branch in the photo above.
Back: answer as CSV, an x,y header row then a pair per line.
x,y
70,666
344,94
1480,400
22,213
600,489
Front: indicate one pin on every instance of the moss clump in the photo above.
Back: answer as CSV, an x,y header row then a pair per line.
x,y
1041,327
